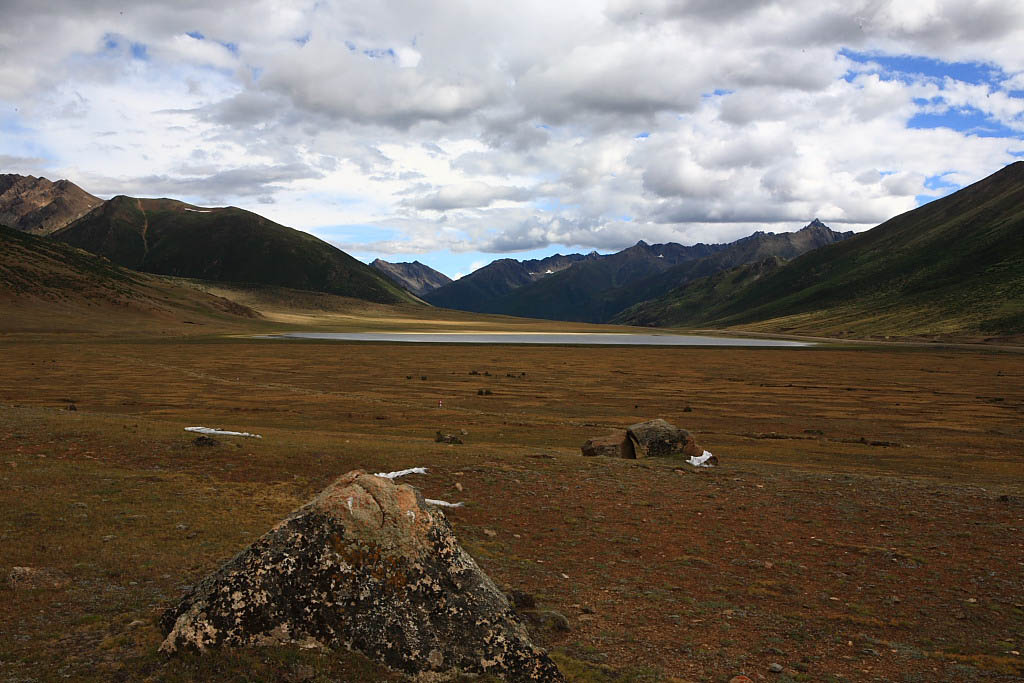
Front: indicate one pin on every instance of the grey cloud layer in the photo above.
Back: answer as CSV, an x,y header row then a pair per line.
x,y
509,126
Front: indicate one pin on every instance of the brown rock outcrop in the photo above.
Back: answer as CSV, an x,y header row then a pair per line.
x,y
366,565
658,439
615,445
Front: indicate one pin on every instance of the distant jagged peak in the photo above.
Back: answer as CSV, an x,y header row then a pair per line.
x,y
816,223
414,276
40,207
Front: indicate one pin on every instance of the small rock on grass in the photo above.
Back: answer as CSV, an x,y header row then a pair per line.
x,y
28,578
548,619
523,600
775,668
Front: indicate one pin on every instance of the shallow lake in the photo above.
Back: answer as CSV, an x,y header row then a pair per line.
x,y
612,339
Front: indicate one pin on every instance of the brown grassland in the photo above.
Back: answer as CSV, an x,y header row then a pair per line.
x,y
866,522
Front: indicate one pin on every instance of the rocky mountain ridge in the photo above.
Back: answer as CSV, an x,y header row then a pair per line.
x,y
416,277
598,287
39,206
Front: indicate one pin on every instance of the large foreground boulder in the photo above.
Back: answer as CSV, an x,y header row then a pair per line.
x,y
659,439
366,565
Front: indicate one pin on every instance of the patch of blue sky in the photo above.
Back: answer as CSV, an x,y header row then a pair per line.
x,y
114,46
379,53
302,40
230,47
642,136
354,233
18,140
196,34
912,67
967,120
717,92
939,186
938,182
550,204
1016,153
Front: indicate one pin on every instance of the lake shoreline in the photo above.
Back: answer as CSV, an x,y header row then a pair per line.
x,y
546,338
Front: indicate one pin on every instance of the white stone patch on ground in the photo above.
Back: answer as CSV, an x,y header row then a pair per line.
x,y
221,432
401,473
701,460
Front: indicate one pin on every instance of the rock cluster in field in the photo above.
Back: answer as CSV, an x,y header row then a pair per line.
x,y
651,439
366,565
658,438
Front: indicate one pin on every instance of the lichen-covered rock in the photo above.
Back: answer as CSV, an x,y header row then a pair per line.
x,y
366,565
616,445
659,439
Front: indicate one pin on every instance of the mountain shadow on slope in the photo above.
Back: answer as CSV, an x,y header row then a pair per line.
x,y
49,286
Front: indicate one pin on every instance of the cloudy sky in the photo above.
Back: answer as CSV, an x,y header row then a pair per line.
x,y
458,131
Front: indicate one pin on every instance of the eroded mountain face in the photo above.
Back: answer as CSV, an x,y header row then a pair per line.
x,y
39,206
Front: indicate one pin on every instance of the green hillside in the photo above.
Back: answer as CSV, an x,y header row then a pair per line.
x,y
169,237
953,266
52,287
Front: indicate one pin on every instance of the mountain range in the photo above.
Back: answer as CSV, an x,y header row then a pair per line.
x,y
594,288
476,292
952,266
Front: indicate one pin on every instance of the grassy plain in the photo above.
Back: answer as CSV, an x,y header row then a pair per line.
x,y
866,522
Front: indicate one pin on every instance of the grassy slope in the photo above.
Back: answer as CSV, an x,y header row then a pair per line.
x,y
47,286
232,245
953,266
289,309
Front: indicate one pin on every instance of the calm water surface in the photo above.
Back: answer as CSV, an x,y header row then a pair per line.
x,y
625,339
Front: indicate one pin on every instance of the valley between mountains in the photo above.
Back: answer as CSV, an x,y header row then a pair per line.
x,y
864,522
